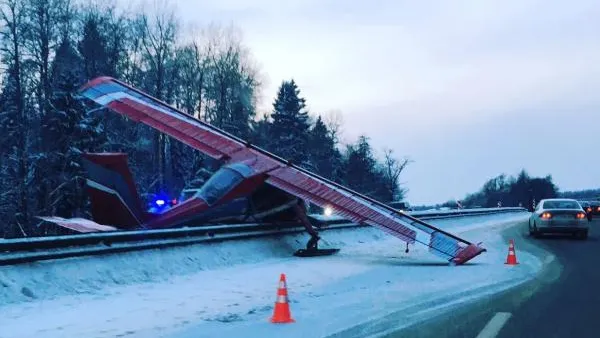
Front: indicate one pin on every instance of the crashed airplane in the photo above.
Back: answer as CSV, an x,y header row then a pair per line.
x,y
247,170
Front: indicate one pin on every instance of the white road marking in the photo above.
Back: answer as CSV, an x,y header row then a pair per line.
x,y
494,326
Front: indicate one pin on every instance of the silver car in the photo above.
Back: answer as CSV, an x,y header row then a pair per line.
x,y
558,215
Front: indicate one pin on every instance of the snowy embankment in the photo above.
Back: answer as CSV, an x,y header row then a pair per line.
x,y
228,289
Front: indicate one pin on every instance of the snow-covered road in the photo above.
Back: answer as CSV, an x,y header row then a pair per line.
x,y
228,289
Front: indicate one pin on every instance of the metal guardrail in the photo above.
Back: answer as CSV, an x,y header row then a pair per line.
x,y
23,250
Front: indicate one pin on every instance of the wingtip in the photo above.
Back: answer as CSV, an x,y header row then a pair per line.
x,y
95,81
468,253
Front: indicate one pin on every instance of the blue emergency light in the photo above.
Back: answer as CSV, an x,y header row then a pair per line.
x,y
161,202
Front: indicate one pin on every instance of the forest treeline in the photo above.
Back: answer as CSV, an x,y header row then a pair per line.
x,y
49,48
509,191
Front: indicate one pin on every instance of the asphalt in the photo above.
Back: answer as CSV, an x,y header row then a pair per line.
x,y
562,301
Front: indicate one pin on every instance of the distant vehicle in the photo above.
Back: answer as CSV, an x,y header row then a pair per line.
x,y
595,206
587,207
558,215
400,205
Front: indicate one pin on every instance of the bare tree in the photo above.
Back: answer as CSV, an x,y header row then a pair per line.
x,y
46,19
159,36
159,31
334,120
233,79
194,60
392,169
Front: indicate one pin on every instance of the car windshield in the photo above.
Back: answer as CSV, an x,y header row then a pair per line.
x,y
219,184
561,205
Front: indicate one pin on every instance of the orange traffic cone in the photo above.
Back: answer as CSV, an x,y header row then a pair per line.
x,y
511,259
281,313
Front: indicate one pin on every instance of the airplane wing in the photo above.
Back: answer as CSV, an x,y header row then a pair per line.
x,y
140,107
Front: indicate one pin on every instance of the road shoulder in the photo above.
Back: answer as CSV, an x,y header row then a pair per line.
x,y
455,321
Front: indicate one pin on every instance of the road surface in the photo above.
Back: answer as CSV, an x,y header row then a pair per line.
x,y
563,301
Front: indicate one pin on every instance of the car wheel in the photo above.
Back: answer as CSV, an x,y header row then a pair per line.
x,y
536,232
583,235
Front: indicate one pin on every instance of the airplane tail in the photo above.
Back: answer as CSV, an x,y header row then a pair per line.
x,y
113,196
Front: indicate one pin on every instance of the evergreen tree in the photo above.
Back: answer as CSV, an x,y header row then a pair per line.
x,y
360,167
290,127
380,189
324,156
68,131
15,120
92,48
10,120
12,127
543,188
519,192
260,132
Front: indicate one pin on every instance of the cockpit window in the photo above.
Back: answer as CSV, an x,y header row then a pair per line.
x,y
241,168
219,184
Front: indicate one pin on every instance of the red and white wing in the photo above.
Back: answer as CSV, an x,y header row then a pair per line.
x,y
219,144
362,209
141,107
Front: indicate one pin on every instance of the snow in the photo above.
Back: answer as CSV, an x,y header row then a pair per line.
x,y
228,288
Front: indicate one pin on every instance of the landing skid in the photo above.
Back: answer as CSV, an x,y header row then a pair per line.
x,y
312,249
315,252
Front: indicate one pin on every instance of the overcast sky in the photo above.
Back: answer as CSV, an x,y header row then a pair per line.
x,y
467,89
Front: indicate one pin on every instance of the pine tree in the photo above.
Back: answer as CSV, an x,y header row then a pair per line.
x,y
360,167
12,127
15,120
69,131
92,48
260,131
379,185
324,156
520,191
290,127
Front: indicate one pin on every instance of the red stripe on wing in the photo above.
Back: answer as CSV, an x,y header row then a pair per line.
x,y
206,141
95,82
304,186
